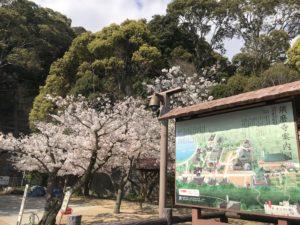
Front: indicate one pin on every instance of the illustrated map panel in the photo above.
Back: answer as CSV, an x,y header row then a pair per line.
x,y
245,160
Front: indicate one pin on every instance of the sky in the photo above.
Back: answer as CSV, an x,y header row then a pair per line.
x,y
93,15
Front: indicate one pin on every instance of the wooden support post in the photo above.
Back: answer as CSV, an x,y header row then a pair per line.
x,y
74,220
167,213
163,166
196,214
224,219
198,220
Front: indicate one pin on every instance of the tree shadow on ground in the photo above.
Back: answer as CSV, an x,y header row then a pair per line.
x,y
108,217
10,204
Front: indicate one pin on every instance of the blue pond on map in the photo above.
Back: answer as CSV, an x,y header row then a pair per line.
x,y
184,151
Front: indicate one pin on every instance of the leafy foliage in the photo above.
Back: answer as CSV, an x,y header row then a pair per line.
x,y
170,38
235,85
115,60
31,39
294,55
202,26
200,18
266,27
277,74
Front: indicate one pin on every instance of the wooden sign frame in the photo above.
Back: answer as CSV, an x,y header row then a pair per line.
x,y
197,208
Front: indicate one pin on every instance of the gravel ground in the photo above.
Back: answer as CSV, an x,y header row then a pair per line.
x,y
92,210
10,206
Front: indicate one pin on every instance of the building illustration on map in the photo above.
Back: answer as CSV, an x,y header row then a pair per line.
x,y
246,160
284,209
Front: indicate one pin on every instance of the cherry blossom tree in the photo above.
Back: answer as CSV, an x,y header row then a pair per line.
x,y
80,140
98,124
141,141
5,141
196,87
45,151
146,174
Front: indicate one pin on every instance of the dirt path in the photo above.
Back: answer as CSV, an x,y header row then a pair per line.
x,y
92,211
102,211
97,210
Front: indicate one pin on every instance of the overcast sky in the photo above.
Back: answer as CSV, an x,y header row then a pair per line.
x,y
93,15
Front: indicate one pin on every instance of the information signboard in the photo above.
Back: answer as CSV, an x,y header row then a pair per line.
x,y
245,160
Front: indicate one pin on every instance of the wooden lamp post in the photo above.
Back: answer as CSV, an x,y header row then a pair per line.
x,y
162,101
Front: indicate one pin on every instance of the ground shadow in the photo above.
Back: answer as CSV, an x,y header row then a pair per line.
x,y
10,204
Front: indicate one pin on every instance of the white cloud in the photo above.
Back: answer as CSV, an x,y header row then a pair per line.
x,y
95,14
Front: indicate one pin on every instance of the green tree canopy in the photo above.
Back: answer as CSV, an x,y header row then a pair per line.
x,y
31,38
277,74
203,18
205,24
115,60
294,55
170,38
265,26
189,35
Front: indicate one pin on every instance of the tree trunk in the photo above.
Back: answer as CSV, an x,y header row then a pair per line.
x,y
118,200
141,205
86,186
86,178
53,203
123,182
120,192
65,184
52,208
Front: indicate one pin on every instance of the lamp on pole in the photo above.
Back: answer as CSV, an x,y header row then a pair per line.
x,y
162,101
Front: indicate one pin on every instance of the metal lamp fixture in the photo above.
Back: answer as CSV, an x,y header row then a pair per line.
x,y
154,102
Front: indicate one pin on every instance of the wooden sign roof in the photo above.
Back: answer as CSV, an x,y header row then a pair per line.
x,y
248,98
